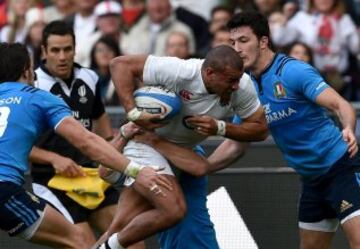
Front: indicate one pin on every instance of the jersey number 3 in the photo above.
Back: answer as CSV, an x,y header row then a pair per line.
x,y
4,115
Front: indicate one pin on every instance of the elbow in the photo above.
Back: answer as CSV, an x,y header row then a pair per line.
x,y
201,169
263,133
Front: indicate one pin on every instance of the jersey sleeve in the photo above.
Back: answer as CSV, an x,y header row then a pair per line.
x,y
305,79
168,71
246,99
52,108
98,107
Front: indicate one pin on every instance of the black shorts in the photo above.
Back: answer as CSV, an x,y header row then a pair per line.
x,y
19,209
73,211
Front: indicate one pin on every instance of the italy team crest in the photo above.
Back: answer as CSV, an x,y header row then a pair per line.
x,y
279,90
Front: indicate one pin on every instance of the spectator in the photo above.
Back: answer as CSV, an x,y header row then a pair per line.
x,y
220,15
34,25
267,7
59,9
83,23
300,51
108,23
331,34
177,45
149,35
15,30
104,50
221,37
132,12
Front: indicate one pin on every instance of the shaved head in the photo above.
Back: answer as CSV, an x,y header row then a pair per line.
x,y
222,57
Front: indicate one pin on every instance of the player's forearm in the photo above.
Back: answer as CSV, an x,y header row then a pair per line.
x,y
226,153
183,158
346,115
41,156
247,131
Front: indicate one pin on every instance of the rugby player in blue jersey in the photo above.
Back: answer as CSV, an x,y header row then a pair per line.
x,y
295,100
25,112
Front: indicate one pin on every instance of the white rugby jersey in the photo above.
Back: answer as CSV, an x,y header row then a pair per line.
x,y
184,77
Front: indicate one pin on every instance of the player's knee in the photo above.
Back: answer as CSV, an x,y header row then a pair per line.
x,y
78,239
176,213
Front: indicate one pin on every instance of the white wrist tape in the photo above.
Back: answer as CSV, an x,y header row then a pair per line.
x,y
134,114
221,127
122,133
133,169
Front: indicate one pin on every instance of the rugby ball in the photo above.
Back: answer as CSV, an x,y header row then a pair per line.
x,y
158,100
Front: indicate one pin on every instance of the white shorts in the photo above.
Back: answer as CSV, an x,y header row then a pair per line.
x,y
145,155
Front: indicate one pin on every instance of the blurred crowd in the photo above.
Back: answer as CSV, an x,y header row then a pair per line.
x,y
324,33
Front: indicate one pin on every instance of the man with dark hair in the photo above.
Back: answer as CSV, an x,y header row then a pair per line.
x,y
25,113
294,97
78,87
211,90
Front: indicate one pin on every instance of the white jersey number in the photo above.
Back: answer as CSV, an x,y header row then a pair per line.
x,y
4,115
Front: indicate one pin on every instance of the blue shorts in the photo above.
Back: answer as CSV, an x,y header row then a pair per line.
x,y
19,209
196,229
335,195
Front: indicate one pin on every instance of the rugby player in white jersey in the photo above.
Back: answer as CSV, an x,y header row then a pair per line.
x,y
211,90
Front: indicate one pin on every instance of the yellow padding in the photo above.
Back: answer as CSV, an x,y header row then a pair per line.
x,y
87,190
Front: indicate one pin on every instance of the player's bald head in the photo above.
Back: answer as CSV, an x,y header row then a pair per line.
x,y
222,57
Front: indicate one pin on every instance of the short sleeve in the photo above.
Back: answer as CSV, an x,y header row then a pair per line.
x,y
305,79
98,107
169,71
53,108
246,99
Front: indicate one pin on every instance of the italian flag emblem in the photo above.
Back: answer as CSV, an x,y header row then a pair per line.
x,y
279,90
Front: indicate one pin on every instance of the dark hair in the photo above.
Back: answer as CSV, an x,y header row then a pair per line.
x,y
309,51
253,19
223,56
221,8
57,28
109,42
14,60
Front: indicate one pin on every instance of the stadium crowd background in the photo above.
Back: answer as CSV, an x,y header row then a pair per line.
x,y
186,29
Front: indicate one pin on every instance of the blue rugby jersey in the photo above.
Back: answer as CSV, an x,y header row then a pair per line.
x,y
307,136
25,112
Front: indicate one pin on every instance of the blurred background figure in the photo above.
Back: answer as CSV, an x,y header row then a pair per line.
x,y
59,10
267,7
220,15
3,15
104,50
331,34
149,35
34,25
177,44
108,23
15,31
132,11
300,51
221,37
83,21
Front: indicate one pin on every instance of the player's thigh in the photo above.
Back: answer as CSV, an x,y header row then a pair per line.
x,y
57,232
310,239
87,232
171,202
130,204
102,218
351,228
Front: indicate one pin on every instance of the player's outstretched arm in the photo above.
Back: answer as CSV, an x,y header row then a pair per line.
x,y
226,153
101,151
183,158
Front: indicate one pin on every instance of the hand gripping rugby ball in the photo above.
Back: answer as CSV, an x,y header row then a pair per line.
x,y
158,100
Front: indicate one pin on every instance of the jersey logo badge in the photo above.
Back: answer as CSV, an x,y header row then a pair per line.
x,y
82,94
185,94
279,90
345,205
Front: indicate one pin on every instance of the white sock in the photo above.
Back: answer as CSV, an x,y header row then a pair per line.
x,y
112,242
